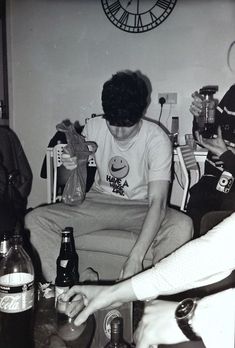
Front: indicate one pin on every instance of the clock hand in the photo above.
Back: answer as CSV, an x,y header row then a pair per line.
x,y
129,3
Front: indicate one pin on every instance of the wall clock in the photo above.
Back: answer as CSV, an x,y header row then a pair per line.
x,y
137,16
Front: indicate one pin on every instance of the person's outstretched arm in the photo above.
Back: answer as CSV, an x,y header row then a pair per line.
x,y
201,261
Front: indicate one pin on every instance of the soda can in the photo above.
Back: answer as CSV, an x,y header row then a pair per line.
x,y
225,182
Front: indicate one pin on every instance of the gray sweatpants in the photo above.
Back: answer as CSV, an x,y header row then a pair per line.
x,y
99,212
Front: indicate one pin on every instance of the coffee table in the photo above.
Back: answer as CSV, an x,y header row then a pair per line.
x,y
45,335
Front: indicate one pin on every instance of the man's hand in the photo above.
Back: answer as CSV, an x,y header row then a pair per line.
x,y
158,325
196,106
92,298
132,265
216,145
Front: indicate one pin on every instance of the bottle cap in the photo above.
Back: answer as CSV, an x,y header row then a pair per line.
x,y
69,228
208,90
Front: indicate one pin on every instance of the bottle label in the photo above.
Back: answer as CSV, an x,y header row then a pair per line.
x,y
16,292
63,263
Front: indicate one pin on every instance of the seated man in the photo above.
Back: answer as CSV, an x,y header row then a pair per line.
x,y
131,184
204,268
208,194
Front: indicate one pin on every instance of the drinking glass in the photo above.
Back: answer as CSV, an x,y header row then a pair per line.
x,y
64,322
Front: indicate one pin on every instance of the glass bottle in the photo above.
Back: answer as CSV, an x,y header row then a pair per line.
x,y
75,270
206,120
16,297
117,340
65,265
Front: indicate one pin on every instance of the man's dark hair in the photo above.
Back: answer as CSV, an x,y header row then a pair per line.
x,y
124,98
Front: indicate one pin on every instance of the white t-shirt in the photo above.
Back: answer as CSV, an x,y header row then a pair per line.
x,y
125,170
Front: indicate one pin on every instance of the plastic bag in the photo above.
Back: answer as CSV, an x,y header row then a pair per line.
x,y
75,189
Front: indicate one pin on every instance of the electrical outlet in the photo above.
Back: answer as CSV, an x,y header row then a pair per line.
x,y
171,98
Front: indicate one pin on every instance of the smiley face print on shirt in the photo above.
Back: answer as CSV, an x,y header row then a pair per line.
x,y
118,168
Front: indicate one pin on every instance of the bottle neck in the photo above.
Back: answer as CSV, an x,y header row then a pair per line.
x,y
116,337
66,245
16,241
65,239
116,331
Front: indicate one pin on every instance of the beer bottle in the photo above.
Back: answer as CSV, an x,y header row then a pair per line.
x,y
65,264
117,340
206,120
16,297
75,271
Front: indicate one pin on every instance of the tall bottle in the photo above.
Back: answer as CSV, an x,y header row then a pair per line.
x,y
16,297
66,264
117,340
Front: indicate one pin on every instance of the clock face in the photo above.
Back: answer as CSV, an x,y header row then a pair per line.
x,y
137,16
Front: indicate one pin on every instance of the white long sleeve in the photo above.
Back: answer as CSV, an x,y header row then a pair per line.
x,y
214,319
201,261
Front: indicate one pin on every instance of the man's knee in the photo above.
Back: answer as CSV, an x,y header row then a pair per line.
x,y
32,217
29,218
183,224
177,231
186,226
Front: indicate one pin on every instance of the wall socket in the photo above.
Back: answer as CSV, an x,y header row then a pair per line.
x,y
171,98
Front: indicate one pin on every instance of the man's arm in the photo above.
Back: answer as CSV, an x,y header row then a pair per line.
x,y
158,191
220,148
213,321
201,261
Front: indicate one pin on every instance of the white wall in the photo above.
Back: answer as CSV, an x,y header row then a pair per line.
x,y
61,52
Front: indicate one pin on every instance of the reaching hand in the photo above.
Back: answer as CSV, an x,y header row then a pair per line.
x,y
196,106
158,325
216,145
94,297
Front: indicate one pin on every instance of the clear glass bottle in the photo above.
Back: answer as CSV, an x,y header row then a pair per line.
x,y
16,297
117,340
65,265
